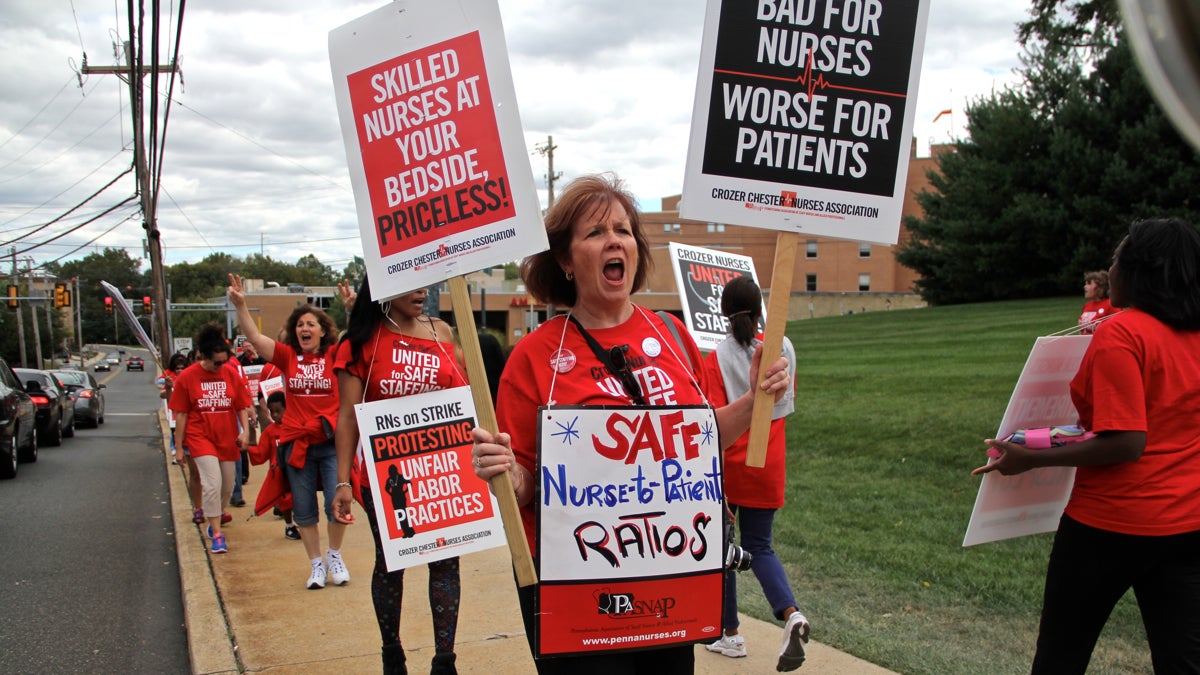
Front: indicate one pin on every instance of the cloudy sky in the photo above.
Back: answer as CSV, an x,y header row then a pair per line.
x,y
254,160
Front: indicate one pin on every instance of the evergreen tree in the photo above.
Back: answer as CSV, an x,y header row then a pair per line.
x,y
1054,170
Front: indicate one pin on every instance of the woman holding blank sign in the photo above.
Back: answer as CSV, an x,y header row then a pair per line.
x,y
375,361
598,258
1133,518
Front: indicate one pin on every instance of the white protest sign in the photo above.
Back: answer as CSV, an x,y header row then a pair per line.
x,y
700,276
270,385
428,502
125,309
803,115
434,144
630,508
182,344
1031,502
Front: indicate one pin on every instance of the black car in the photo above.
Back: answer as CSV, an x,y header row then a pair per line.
x,y
55,410
135,363
86,393
18,428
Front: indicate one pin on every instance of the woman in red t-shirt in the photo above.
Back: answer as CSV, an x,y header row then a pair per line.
x,y
1133,518
212,419
754,494
306,357
381,341
598,257
1097,306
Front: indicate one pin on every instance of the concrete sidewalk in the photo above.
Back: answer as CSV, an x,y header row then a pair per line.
x,y
248,610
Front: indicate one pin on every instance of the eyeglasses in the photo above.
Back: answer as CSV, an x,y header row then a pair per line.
x,y
620,368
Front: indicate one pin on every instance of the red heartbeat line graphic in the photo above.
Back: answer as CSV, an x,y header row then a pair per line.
x,y
811,85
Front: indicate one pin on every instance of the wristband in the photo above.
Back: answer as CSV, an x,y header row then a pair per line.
x,y
342,485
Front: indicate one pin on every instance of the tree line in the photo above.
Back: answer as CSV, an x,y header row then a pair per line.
x,y
196,283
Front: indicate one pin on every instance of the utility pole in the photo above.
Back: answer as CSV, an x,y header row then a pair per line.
x,y
129,73
16,279
78,321
548,150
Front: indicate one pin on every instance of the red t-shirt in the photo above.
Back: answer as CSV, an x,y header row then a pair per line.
x,y
756,487
537,365
310,384
211,402
1094,310
268,444
393,365
1139,374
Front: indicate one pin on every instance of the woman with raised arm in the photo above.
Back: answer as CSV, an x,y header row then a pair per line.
x,y
306,357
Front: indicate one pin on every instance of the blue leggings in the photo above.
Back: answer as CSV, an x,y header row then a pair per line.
x,y
754,529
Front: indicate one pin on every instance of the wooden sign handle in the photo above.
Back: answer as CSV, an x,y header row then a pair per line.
x,y
502,487
786,245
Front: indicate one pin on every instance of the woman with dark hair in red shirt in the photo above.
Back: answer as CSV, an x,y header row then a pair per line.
x,y
1133,518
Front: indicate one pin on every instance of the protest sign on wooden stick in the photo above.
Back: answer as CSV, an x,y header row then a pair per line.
x,y
786,244
502,485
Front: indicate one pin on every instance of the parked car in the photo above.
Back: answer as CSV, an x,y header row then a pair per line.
x,y
86,393
135,363
18,428
55,410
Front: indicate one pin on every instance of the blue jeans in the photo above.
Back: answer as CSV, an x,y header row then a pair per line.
x,y
319,464
754,532
237,479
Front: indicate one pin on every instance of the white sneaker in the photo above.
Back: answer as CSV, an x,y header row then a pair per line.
x,y
795,637
733,646
337,569
317,578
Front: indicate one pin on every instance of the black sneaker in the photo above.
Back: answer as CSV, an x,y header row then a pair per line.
x,y
237,501
291,532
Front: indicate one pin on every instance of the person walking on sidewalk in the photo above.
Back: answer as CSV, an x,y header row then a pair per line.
x,y
209,401
306,358
267,451
754,494
379,340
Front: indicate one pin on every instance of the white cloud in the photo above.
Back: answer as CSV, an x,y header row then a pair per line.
x,y
254,159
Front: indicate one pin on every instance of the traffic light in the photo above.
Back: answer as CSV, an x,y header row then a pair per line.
x,y
60,296
146,306
12,296
108,304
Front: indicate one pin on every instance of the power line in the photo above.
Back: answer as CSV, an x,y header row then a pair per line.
x,y
84,223
39,228
38,113
64,191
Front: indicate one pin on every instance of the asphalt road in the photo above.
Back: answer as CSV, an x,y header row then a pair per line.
x,y
90,579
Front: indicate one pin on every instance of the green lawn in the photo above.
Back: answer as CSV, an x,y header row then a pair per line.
x,y
892,409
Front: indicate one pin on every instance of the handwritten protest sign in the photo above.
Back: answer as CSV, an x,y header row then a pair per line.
x,y
1031,502
804,114
434,143
428,502
700,276
629,528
